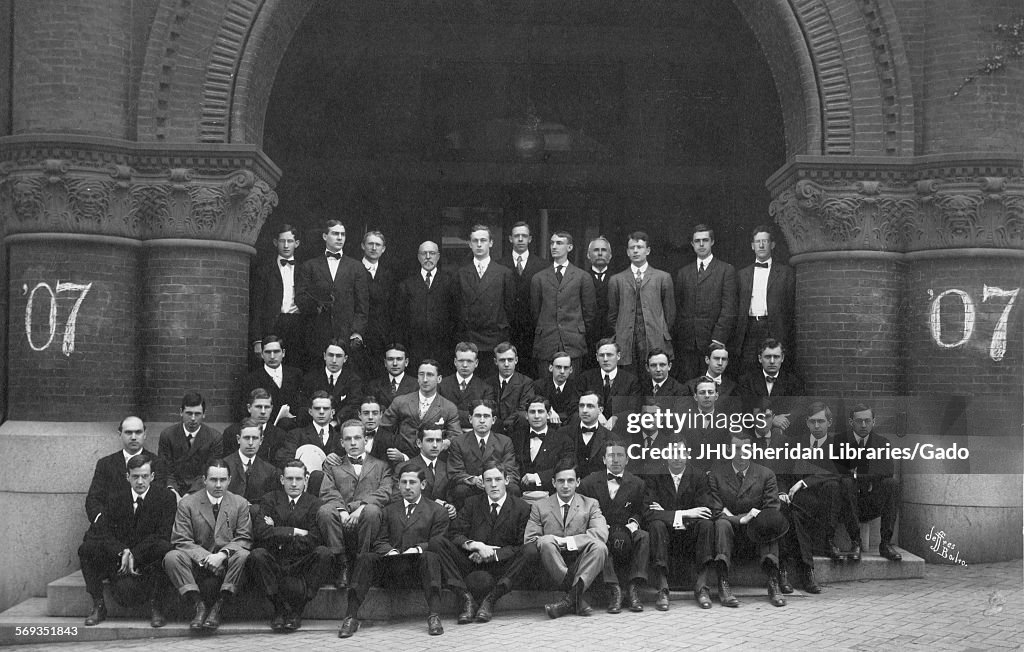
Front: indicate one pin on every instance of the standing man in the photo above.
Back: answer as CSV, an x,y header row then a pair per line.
x,y
705,304
599,253
337,379
563,302
525,265
569,533
430,301
273,297
512,390
641,306
185,447
486,297
251,477
767,291
109,476
212,536
470,451
409,412
381,285
331,290
395,382
465,387
283,383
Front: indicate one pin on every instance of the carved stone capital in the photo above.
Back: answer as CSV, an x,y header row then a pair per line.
x,y
918,204
105,187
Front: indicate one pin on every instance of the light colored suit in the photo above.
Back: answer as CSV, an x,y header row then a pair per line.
x,y
343,490
197,535
658,302
403,416
584,523
563,311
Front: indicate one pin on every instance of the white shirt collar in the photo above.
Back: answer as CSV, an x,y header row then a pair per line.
x,y
246,460
423,273
426,399
525,255
396,379
706,261
427,461
612,374
214,501
273,373
676,478
642,269
561,503
481,262
463,381
369,265
769,261
501,503
407,503
127,456
136,496
535,433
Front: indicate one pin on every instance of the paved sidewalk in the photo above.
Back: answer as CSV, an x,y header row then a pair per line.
x,y
952,608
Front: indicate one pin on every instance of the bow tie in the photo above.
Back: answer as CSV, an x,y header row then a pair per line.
x,y
538,435
355,460
765,265
287,262
336,256
586,429
770,379
614,478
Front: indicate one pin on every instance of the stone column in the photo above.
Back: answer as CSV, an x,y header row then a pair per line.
x,y
907,276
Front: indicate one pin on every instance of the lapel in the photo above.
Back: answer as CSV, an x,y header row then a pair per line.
x,y
431,412
707,271
206,509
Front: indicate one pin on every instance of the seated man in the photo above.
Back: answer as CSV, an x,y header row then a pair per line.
x,y
403,549
717,359
619,389
486,536
680,525
353,493
666,391
278,446
288,545
621,497
251,477
435,487
395,382
512,390
284,384
322,433
212,535
337,379
465,388
470,451
587,435
559,388
870,484
538,448
185,447
109,477
406,413
129,538
744,501
569,533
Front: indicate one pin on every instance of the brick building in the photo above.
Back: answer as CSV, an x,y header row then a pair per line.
x,y
149,147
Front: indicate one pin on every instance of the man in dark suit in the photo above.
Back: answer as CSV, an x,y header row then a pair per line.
x,y
465,387
251,477
430,304
705,304
538,449
212,536
774,381
396,381
569,533
407,413
381,284
272,298
512,390
872,489
278,445
767,291
559,389
717,360
322,433
739,491
353,493
619,389
337,379
435,470
486,536
470,451
587,435
184,448
563,303
283,383
486,297
129,538
708,426
680,525
599,253
109,476
403,549
370,413
523,321
331,290
667,392
288,544
621,496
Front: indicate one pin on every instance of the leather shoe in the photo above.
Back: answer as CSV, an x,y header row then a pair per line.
x,y
661,604
277,620
704,599
98,613
834,553
854,553
293,617
468,614
784,585
579,601
349,626
774,592
810,585
199,618
614,599
434,627
486,610
558,609
156,615
213,618
889,552
633,595
725,595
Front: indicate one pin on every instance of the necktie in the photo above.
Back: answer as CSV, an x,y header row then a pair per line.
x,y
430,474
700,267
408,509
216,512
292,503
394,386
764,265
482,444
648,441
494,511
480,271
462,386
519,265
285,263
639,278
336,256
654,392
429,274
565,514
324,436
331,378
371,271
607,382
190,439
502,390
248,466
739,476
559,273
614,478
138,504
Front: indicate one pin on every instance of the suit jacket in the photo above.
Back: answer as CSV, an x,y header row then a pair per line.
x,y
120,527
108,478
399,533
751,384
436,488
566,404
589,457
196,532
181,467
429,316
670,395
309,435
512,401
486,304
402,417
692,492
584,523
280,538
505,532
522,320
781,298
867,470
336,308
278,445
265,297
381,388
759,489
342,488
289,393
812,472
563,311
478,389
624,395
263,477
556,445
657,300
629,502
705,304
727,389
380,319
602,328
347,392
465,459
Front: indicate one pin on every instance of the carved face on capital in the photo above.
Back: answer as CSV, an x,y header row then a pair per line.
x,y
206,208
25,199
960,216
91,201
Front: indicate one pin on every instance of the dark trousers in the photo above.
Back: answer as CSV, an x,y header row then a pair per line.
x,y
456,564
268,570
632,566
669,546
98,565
731,540
396,569
873,498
